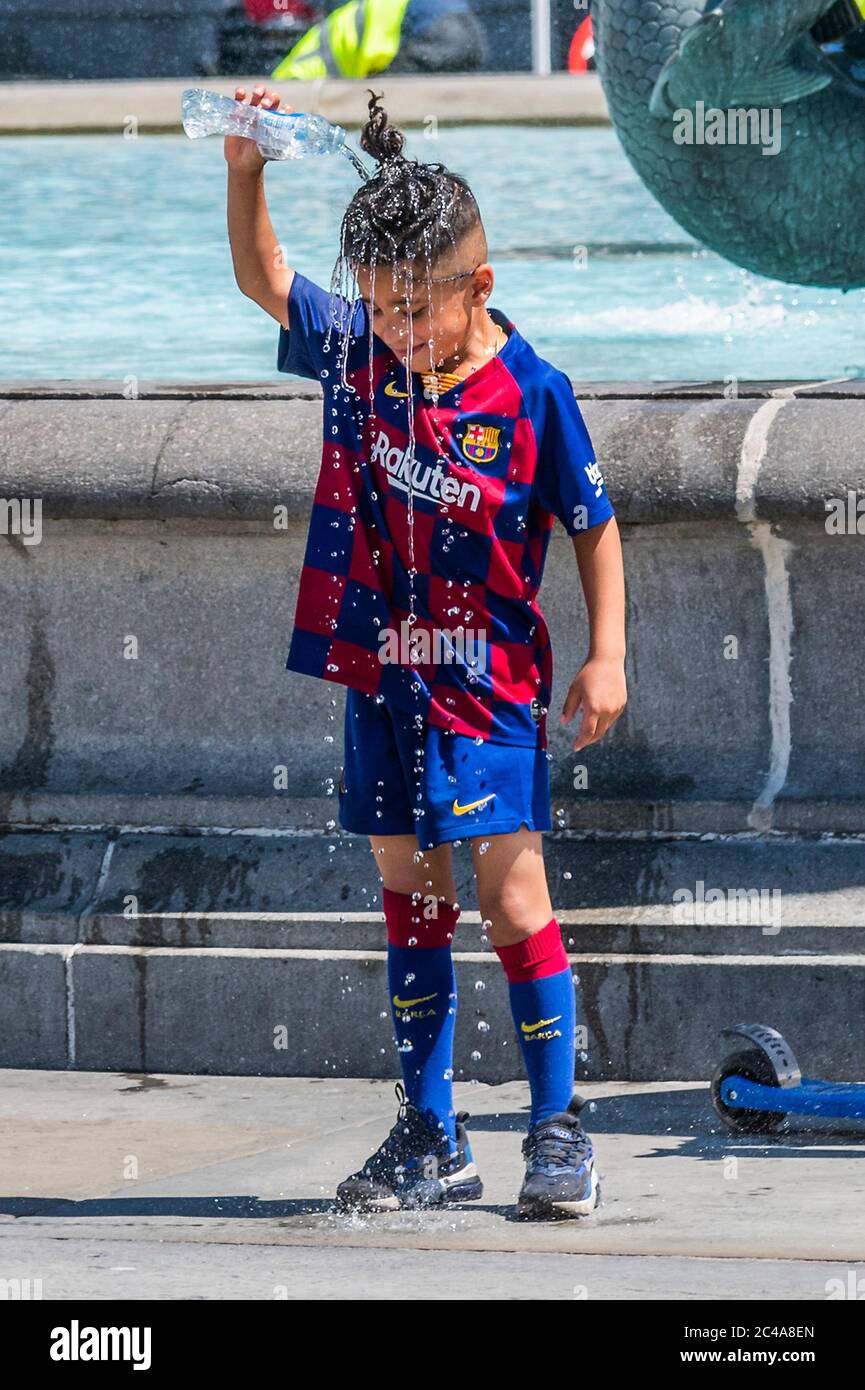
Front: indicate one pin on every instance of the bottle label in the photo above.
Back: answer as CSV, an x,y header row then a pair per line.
x,y
273,118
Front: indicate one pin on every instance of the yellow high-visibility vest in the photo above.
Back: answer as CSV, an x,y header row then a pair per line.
x,y
356,40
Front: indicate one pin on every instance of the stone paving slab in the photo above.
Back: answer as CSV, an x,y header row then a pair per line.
x,y
247,1166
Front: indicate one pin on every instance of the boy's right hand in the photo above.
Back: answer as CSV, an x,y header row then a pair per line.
x,y
243,154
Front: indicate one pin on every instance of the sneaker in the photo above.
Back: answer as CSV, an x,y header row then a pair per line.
x,y
414,1166
560,1175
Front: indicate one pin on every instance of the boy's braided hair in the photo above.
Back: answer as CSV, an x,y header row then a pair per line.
x,y
407,210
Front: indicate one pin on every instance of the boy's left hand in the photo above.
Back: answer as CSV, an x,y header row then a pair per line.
x,y
600,688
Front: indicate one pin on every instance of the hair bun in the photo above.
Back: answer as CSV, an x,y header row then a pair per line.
x,y
384,142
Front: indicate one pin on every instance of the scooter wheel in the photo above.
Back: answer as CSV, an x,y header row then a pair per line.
x,y
753,1066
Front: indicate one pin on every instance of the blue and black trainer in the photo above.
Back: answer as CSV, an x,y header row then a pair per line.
x,y
415,1166
560,1175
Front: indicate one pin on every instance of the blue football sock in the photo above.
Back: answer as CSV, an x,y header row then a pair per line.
x,y
543,1006
423,998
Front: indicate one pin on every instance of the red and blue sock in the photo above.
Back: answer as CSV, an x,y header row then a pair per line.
x,y
544,1009
423,1000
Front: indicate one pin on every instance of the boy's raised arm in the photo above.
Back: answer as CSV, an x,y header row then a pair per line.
x,y
259,265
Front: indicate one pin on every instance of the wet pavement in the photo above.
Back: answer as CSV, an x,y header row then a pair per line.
x,y
128,1186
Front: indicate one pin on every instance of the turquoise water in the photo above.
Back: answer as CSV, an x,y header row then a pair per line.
x,y
115,262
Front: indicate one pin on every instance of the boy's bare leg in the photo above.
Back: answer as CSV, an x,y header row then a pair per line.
x,y
512,885
405,868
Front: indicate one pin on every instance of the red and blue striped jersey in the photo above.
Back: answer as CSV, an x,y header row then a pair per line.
x,y
428,598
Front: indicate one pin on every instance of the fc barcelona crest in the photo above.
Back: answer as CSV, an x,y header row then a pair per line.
x,y
481,442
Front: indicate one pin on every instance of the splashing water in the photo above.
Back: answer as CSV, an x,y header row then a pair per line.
x,y
374,243
353,159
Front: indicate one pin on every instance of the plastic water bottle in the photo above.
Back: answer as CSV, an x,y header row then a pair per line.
x,y
278,134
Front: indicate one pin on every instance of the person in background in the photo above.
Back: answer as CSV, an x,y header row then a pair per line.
x,y
254,34
398,36
264,11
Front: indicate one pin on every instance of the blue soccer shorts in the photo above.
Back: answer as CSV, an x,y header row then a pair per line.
x,y
437,785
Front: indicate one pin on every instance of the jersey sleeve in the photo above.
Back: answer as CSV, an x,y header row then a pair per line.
x,y
303,347
568,479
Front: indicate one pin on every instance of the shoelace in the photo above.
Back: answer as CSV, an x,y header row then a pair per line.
x,y
543,1146
408,1132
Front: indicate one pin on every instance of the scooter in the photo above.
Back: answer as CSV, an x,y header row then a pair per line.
x,y
756,1088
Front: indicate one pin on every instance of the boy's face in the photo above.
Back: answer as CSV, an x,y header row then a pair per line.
x,y
441,309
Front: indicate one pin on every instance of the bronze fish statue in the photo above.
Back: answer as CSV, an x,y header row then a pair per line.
x,y
746,120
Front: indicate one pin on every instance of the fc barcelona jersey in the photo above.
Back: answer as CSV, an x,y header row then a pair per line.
x,y
425,555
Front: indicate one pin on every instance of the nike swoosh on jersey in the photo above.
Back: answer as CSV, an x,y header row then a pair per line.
x,y
533,1027
472,806
391,390
407,1003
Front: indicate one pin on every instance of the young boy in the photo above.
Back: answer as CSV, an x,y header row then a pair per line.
x,y
449,446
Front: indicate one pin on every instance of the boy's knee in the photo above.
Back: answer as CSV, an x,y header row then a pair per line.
x,y
404,868
513,914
